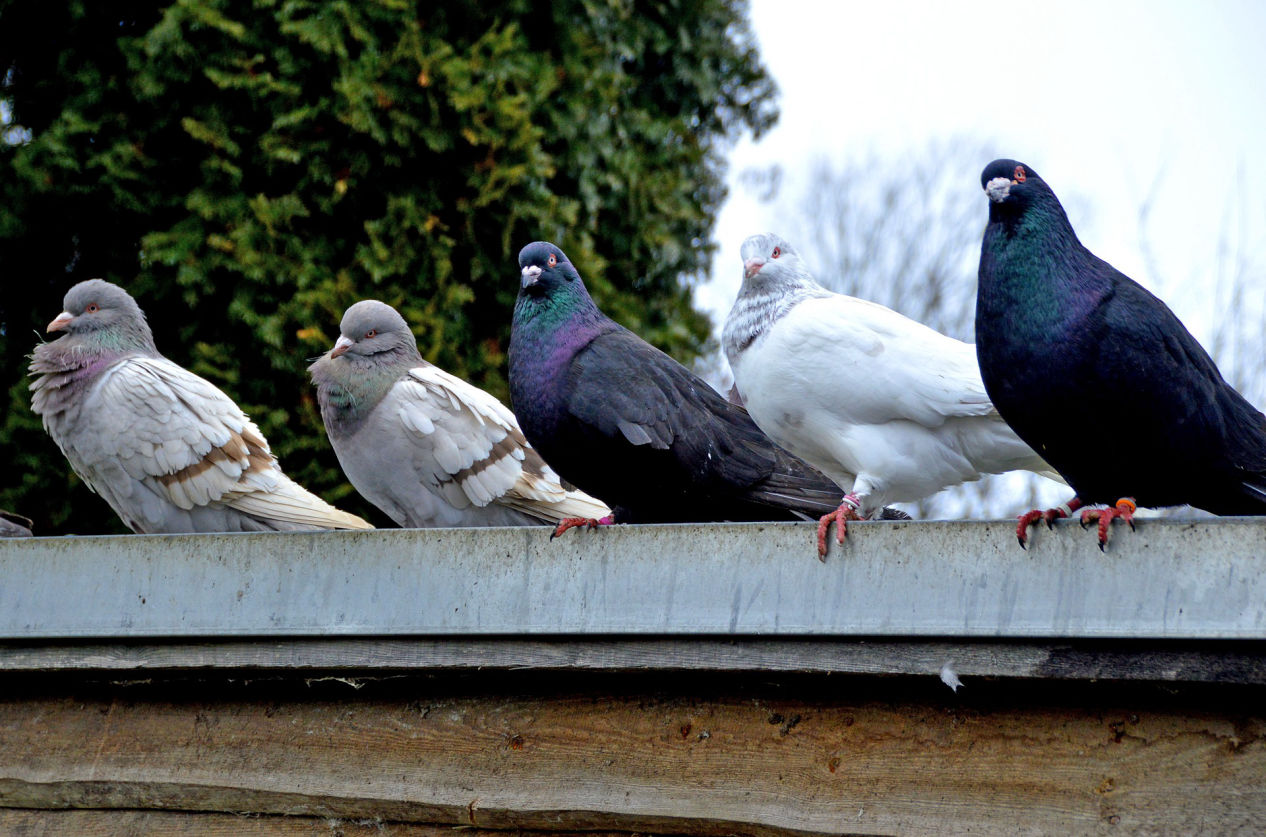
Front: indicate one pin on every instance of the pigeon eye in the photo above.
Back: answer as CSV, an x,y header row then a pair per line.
x,y
373,332
1019,174
777,252
553,260
92,308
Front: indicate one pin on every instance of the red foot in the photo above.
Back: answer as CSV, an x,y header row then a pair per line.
x,y
846,512
1050,516
574,522
1124,509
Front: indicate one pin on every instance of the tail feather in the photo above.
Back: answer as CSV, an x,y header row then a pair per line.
x,y
540,493
797,486
288,502
571,504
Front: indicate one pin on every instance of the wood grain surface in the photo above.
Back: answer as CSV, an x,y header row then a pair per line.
x,y
835,755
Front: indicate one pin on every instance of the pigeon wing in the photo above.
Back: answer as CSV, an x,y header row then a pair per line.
x,y
162,434
1170,374
891,367
471,450
627,390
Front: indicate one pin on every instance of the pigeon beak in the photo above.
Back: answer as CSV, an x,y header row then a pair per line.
x,y
60,322
999,189
341,345
531,275
752,266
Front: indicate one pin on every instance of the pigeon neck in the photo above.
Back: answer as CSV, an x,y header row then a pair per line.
x,y
1033,262
66,368
548,332
539,318
351,386
759,306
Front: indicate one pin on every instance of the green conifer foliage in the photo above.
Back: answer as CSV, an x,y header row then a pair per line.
x,y
247,170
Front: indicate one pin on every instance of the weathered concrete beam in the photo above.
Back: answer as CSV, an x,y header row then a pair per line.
x,y
1169,579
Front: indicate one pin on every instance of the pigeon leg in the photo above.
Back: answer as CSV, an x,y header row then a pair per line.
x,y
846,512
1050,516
1124,509
574,522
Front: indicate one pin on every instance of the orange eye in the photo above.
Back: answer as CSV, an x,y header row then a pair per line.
x,y
1019,174
92,308
553,260
373,332
777,252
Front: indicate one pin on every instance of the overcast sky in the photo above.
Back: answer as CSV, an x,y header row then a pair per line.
x,y
1110,101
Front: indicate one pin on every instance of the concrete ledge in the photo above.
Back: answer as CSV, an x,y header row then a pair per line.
x,y
1170,579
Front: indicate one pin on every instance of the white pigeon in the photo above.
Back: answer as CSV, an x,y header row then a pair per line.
x,y
165,448
424,446
890,409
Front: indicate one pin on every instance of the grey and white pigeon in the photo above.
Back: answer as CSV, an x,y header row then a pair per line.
x,y
424,446
890,409
165,448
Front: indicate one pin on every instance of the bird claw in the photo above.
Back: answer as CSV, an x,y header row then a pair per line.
x,y
846,512
1123,510
1050,516
576,522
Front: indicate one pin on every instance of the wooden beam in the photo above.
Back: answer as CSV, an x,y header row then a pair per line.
x,y
110,823
851,755
1206,661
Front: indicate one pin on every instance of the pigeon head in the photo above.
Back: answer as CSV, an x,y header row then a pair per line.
x,y
375,349
769,257
551,292
372,328
545,269
775,279
97,312
1012,187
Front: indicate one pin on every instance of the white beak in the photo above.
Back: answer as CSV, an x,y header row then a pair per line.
x,y
60,321
998,189
531,275
341,345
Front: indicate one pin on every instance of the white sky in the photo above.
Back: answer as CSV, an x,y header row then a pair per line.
x,y
1109,101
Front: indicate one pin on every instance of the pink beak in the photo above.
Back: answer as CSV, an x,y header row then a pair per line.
x,y
341,345
60,321
752,266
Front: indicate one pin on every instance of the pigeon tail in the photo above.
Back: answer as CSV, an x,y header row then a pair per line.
x,y
289,506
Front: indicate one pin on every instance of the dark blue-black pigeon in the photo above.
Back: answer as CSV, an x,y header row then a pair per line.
x,y
1099,376
623,421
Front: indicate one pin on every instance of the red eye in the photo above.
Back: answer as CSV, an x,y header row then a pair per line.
x,y
1019,174
777,252
373,332
553,260
92,308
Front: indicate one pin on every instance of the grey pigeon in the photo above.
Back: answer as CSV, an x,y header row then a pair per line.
x,y
14,525
1101,376
165,448
424,446
890,409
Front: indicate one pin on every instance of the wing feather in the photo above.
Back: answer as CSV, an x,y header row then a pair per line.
x,y
158,425
469,448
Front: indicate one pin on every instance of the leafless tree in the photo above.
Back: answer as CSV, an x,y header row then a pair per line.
x,y
1235,286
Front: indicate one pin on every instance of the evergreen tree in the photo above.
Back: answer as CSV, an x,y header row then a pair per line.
x,y
247,170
